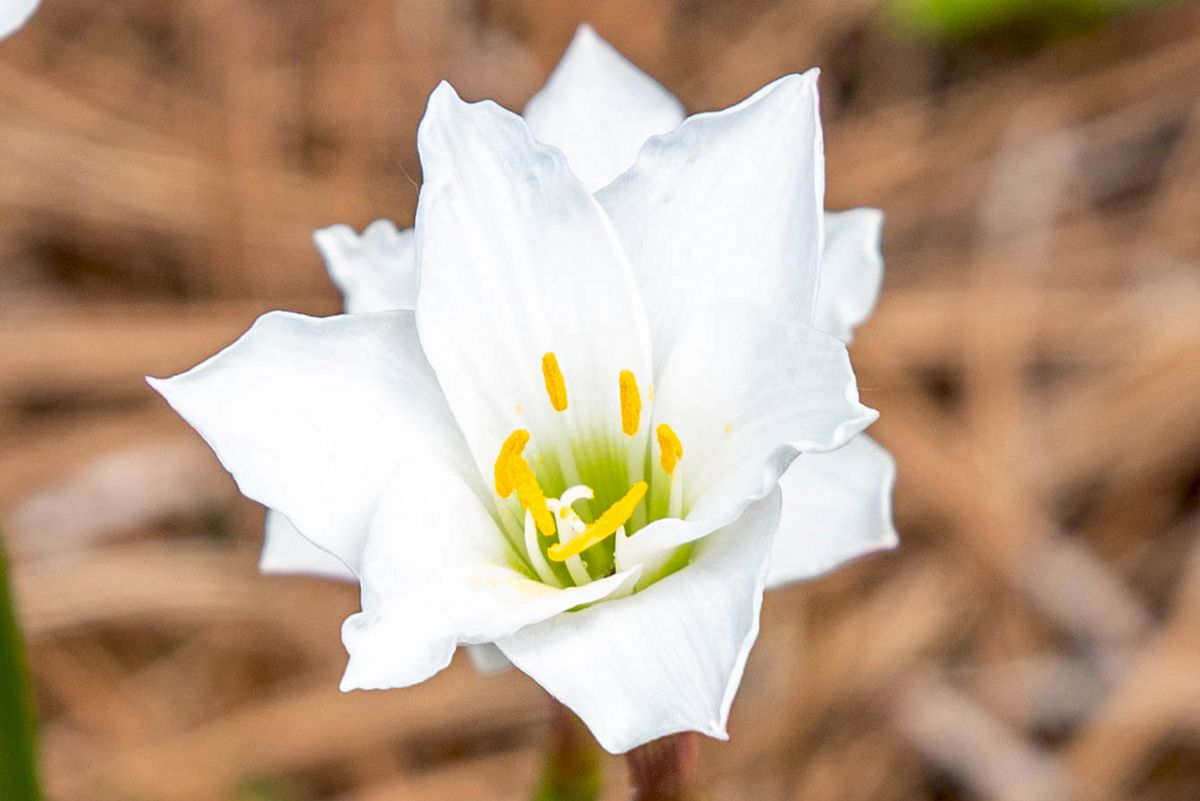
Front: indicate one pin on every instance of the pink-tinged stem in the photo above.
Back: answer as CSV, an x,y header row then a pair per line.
x,y
666,769
574,766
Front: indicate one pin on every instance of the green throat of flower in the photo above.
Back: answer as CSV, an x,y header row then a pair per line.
x,y
568,503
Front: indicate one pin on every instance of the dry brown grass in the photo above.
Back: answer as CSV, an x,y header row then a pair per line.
x,y
1036,357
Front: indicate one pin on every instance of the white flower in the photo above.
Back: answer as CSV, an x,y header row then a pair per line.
x,y
14,14
574,446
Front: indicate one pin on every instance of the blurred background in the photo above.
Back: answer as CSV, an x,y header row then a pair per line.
x,y
1035,356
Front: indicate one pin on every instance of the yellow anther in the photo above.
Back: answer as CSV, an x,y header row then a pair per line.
x,y
513,446
671,449
605,526
530,494
556,387
631,403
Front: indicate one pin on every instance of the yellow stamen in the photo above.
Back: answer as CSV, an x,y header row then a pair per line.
x,y
605,526
513,446
631,403
556,387
671,449
512,472
529,492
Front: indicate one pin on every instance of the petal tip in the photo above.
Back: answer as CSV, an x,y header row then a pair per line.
x,y
798,85
890,541
587,43
585,34
444,87
331,237
355,676
381,227
442,99
863,418
453,128
161,385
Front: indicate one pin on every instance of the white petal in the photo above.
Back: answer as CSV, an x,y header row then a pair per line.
x,y
851,270
14,14
745,391
437,573
487,659
598,108
517,259
311,416
727,207
286,550
668,658
376,271
837,506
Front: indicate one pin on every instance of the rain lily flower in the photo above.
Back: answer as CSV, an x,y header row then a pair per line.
x,y
14,14
584,410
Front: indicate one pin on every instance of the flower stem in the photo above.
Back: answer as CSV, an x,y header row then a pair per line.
x,y
666,769
573,769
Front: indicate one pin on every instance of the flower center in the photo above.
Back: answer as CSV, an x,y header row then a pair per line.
x,y
608,485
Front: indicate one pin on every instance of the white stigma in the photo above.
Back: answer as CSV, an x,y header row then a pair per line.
x,y
569,524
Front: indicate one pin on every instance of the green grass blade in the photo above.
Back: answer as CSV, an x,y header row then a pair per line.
x,y
18,731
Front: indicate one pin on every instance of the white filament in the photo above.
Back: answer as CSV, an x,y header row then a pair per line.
x,y
536,558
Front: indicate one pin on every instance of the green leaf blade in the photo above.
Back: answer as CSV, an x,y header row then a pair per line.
x,y
18,726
